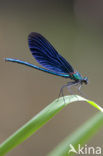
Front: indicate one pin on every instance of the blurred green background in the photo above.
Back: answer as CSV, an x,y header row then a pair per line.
x,y
75,28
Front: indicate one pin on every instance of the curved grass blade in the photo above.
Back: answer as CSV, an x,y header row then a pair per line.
x,y
79,137
39,120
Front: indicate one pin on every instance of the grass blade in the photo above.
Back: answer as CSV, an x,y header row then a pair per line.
x,y
39,120
80,136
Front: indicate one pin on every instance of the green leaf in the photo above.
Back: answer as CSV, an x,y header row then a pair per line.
x,y
39,120
80,136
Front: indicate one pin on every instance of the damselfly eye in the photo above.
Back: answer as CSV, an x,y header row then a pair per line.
x,y
85,79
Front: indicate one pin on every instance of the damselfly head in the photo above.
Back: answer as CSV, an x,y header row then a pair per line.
x,y
85,80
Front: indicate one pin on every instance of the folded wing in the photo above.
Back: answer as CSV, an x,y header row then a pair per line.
x,y
46,55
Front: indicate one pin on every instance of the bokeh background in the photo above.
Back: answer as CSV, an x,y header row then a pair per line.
x,y
75,28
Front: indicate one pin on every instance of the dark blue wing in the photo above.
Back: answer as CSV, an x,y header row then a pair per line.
x,y
46,55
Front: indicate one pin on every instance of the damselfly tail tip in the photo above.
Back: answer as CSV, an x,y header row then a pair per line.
x,y
5,59
8,59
